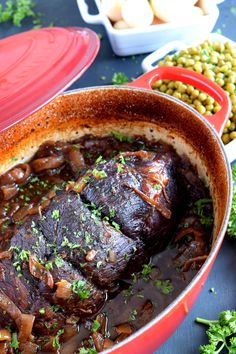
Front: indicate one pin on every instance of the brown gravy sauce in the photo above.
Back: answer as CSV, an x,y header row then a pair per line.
x,y
143,295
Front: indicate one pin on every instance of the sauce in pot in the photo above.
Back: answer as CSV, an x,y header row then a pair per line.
x,y
124,186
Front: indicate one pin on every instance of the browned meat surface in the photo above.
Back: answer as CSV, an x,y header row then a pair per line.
x,y
99,250
139,192
21,298
73,291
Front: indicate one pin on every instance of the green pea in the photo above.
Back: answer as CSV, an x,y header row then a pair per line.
x,y
232,135
226,138
215,60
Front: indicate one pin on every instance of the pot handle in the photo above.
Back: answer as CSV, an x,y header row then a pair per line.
x,y
218,120
151,60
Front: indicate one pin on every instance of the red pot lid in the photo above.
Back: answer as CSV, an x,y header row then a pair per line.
x,y
36,66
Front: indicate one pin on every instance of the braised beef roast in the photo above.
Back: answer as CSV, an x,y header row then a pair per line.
x,y
78,232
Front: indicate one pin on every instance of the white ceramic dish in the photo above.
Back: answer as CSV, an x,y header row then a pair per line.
x,y
136,41
151,62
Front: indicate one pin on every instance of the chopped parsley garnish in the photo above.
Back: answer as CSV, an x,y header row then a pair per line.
x,y
165,286
119,168
34,228
87,351
99,174
14,341
115,225
88,238
146,271
122,137
24,255
42,311
95,326
49,265
128,293
200,209
133,315
86,179
56,214
112,213
81,288
56,339
4,226
66,242
100,159
119,78
58,261
19,257
56,308
157,187
122,160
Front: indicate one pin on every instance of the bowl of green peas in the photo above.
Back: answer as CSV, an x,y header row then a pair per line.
x,y
214,58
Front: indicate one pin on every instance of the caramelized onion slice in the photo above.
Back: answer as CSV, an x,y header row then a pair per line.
x,y
108,343
9,191
29,348
5,347
5,335
103,320
76,160
40,272
98,340
18,174
160,207
25,327
196,260
5,255
8,306
24,322
46,163
124,328
63,289
140,153
189,231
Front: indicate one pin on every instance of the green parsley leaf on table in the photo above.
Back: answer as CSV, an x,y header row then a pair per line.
x,y
16,11
119,79
221,334
231,229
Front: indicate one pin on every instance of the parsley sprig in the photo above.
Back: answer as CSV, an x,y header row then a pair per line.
x,y
16,11
231,229
221,334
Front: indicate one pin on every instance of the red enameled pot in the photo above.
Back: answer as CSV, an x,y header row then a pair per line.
x,y
136,109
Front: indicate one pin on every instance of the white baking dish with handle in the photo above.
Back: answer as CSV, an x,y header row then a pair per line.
x,y
144,40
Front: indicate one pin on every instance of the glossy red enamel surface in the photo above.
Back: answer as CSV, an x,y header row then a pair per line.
x,y
38,65
219,119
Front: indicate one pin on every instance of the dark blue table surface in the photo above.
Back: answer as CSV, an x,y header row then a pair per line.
x,y
189,335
